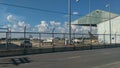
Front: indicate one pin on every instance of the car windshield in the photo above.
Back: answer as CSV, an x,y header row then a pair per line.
x,y
26,41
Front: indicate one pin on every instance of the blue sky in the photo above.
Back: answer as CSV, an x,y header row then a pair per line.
x,y
40,21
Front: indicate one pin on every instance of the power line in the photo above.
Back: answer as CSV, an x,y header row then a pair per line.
x,y
37,9
43,10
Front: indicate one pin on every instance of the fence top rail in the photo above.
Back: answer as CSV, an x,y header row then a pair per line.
x,y
55,33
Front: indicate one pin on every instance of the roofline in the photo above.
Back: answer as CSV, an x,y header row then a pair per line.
x,y
95,25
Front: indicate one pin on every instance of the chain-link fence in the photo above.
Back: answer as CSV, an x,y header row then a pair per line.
x,y
56,41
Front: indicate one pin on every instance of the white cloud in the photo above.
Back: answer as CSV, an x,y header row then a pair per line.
x,y
53,23
11,18
61,29
47,27
75,13
42,27
21,23
77,0
44,24
16,24
21,29
5,26
74,27
66,27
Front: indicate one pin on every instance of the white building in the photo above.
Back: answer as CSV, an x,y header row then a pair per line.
x,y
102,19
104,29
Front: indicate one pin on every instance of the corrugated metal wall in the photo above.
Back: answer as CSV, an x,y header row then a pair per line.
x,y
103,29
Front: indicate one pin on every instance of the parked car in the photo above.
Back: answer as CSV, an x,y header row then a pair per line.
x,y
26,43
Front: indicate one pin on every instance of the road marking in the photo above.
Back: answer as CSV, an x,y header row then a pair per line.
x,y
110,65
72,57
107,53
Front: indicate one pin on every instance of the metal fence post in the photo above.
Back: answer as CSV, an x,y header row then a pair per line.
x,y
73,42
10,36
53,42
7,40
91,43
104,38
82,39
39,39
115,38
64,38
64,41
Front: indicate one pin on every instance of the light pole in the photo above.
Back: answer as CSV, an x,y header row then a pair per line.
x,y
69,19
90,15
108,6
90,23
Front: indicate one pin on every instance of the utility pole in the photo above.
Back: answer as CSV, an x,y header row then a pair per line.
x,y
110,22
90,15
108,6
90,23
69,19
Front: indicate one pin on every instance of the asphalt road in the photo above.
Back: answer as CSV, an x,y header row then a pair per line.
x,y
99,58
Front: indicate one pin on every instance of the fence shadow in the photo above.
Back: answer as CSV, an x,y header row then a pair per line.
x,y
9,46
29,51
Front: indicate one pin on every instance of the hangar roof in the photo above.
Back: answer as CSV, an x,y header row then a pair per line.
x,y
94,18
